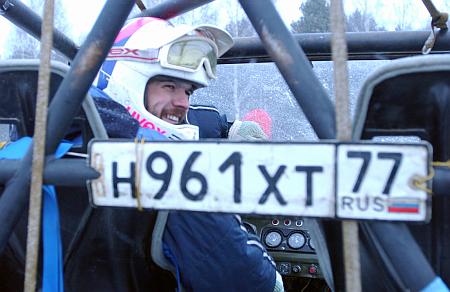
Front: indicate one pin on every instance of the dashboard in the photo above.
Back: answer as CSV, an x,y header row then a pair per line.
x,y
288,242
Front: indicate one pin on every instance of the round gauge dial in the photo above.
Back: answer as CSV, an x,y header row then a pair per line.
x,y
273,239
311,244
296,240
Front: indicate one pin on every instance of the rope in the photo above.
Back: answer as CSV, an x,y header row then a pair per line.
x,y
344,128
34,212
420,182
439,19
139,150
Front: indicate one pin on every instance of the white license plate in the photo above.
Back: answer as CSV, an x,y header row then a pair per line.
x,y
293,179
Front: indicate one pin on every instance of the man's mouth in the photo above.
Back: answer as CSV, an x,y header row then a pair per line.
x,y
173,119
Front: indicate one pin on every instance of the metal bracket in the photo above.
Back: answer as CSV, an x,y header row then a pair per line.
x,y
5,7
429,43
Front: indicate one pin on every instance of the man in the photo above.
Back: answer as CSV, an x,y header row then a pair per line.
x,y
151,71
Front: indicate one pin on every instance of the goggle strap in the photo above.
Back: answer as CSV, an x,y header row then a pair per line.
x,y
127,54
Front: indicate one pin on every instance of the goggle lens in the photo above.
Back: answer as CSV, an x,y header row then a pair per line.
x,y
192,54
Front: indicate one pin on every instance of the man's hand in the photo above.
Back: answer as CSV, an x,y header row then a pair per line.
x,y
246,130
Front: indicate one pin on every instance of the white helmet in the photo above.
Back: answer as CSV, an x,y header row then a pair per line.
x,y
147,47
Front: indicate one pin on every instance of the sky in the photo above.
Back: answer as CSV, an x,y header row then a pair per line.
x,y
388,13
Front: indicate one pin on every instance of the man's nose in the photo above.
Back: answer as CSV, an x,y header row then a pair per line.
x,y
181,99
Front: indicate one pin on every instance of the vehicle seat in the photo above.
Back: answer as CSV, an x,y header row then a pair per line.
x,y
410,97
18,90
104,249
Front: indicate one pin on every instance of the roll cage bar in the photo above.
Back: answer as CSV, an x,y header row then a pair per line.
x,y
88,58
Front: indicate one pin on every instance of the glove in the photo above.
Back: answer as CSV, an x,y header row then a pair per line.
x,y
246,130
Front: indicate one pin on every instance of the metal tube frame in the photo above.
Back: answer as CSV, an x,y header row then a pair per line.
x,y
58,172
382,45
317,46
279,44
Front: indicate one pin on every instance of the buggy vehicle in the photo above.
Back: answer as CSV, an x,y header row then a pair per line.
x,y
406,99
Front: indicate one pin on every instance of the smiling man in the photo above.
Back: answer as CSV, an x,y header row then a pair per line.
x,y
168,98
146,80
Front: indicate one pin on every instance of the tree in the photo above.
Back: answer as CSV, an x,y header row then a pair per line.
x,y
238,25
241,28
23,46
404,11
201,15
316,17
20,44
358,21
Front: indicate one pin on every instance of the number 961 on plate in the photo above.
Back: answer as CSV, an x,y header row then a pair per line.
x,y
267,178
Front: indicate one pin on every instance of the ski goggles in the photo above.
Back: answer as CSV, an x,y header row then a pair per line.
x,y
190,55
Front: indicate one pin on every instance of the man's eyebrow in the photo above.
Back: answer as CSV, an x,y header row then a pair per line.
x,y
190,86
166,80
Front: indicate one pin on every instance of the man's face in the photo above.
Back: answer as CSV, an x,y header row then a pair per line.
x,y
168,99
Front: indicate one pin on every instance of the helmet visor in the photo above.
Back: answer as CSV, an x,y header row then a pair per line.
x,y
190,55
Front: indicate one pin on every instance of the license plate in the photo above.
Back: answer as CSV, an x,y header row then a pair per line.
x,y
294,179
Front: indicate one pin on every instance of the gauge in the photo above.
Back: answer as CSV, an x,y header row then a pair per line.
x,y
311,244
273,239
296,240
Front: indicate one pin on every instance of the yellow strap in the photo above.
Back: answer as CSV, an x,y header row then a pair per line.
x,y
3,144
420,182
441,163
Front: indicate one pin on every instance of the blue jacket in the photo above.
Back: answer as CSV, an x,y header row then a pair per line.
x,y
213,252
